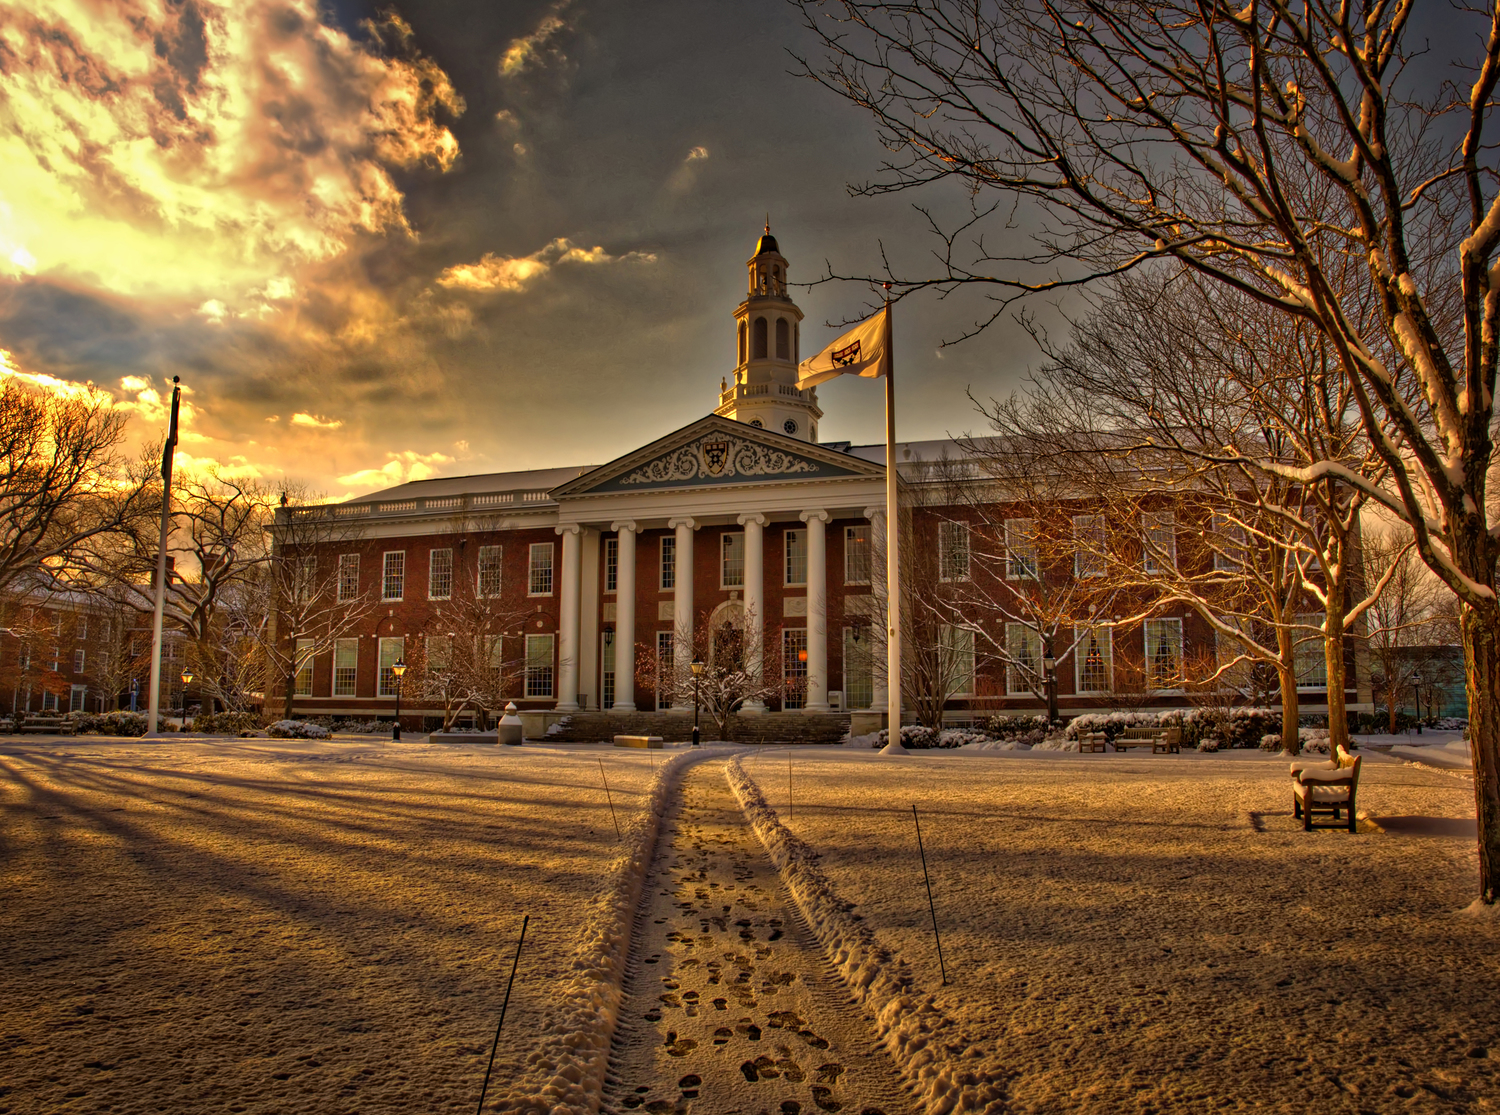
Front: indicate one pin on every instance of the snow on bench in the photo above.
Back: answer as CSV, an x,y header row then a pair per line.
x,y
638,741
1326,788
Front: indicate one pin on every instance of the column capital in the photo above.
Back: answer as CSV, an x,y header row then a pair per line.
x,y
624,524
567,528
872,513
752,517
809,516
682,521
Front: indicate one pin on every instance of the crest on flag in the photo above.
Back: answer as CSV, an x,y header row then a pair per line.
x,y
843,357
715,456
861,351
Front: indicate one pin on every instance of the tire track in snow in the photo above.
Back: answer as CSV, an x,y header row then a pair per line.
x,y
729,1004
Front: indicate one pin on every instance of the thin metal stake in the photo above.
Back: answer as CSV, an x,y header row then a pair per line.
x,y
609,799
788,785
933,909
511,983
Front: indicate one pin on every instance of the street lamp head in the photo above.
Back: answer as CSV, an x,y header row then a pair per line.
x,y
1049,663
399,668
187,677
697,667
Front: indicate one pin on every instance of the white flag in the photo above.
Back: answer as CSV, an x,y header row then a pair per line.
x,y
859,352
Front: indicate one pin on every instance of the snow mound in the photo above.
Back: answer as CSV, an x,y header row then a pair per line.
x,y
894,748
924,1043
565,1073
1479,908
868,741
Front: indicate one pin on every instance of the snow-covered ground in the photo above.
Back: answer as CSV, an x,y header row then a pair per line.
x,y
1156,933
277,925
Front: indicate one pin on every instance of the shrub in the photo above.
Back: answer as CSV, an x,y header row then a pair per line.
x,y
297,729
957,737
1209,743
226,723
121,722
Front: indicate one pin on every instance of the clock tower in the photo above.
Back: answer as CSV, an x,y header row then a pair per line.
x,y
767,326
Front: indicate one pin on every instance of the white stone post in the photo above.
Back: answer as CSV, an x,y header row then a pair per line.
x,y
817,612
682,606
755,601
625,619
880,692
567,619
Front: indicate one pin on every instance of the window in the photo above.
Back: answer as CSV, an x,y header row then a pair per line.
x,y
794,665
607,670
49,701
666,649
348,576
393,585
759,329
1088,545
732,561
77,695
1159,542
1227,648
539,665
668,563
957,645
440,575
305,580
494,651
439,652
796,557
611,565
1163,654
783,340
857,556
742,342
1020,550
81,627
345,667
859,687
953,551
1228,542
489,570
1311,662
78,661
539,576
304,663
1023,649
390,654
1093,661
23,656
56,659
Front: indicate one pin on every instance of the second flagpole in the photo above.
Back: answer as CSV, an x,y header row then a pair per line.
x,y
893,540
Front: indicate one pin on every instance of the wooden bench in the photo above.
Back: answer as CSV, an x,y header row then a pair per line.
x,y
51,725
1093,741
653,742
1327,788
1161,740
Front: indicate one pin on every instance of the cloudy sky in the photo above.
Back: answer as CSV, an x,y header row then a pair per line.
x,y
383,243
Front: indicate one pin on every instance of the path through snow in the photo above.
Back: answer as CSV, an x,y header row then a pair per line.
x,y
729,1003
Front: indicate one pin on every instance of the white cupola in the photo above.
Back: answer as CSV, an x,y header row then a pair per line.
x,y
767,330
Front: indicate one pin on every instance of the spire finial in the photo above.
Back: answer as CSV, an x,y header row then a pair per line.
x,y
768,222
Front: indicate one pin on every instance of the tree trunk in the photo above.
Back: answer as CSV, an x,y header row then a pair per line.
x,y
291,691
1333,656
1286,676
1390,708
1481,635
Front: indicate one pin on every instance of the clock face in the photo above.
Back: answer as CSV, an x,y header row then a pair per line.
x,y
790,425
757,423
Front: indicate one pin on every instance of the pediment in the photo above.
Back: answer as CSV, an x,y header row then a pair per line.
x,y
718,451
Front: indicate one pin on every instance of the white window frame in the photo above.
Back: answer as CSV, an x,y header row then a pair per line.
x,y
794,550
667,563
1021,562
398,577
666,654
1229,536
302,680
81,626
1158,626
1155,524
345,674
541,680
1018,640
1080,659
439,580
1088,564
385,679
305,579
1309,657
348,587
859,667
957,645
953,543
78,660
726,544
490,579
612,564
857,554
794,665
540,572
78,696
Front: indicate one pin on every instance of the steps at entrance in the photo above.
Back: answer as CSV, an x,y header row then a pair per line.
x,y
770,727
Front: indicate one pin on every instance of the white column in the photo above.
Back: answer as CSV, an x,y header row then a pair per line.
x,y
880,693
625,619
567,618
682,603
817,612
755,600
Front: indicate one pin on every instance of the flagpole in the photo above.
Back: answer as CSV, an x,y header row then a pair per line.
x,y
161,561
893,540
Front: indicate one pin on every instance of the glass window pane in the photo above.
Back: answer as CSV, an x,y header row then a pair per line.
x,y
394,582
539,583
345,667
304,662
440,574
390,654
668,562
732,566
1164,653
1094,661
348,576
796,557
857,558
489,570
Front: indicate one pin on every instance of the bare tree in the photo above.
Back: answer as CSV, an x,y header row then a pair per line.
x,y
731,676
1277,150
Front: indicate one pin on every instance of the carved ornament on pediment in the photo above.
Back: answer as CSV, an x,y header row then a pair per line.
x,y
712,458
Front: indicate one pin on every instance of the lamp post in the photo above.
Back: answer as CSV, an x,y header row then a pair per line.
x,y
697,673
398,669
1416,684
1049,664
187,679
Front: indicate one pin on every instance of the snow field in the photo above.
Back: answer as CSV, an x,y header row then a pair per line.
x,y
300,926
1143,933
922,1040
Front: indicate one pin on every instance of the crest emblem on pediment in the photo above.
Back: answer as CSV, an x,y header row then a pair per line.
x,y
715,456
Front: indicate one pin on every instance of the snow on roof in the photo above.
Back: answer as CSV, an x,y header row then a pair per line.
x,y
536,479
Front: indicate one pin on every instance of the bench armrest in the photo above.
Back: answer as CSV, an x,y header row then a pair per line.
x,y
1339,777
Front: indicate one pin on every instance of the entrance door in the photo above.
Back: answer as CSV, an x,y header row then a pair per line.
x,y
607,670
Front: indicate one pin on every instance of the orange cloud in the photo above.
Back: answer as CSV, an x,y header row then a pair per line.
x,y
513,273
